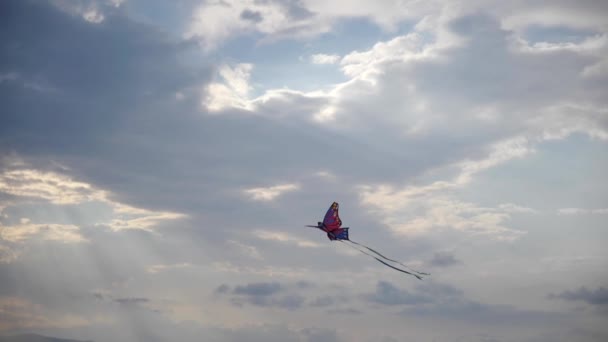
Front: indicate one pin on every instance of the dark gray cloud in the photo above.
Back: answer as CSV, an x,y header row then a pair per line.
x,y
288,296
439,290
131,300
266,294
297,10
222,289
598,296
436,300
444,259
388,294
257,289
250,15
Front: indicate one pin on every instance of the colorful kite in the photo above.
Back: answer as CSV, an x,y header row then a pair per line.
x,y
332,225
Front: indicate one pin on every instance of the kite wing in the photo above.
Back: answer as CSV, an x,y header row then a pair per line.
x,y
338,234
332,219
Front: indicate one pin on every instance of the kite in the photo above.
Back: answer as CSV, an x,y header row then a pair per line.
x,y
332,225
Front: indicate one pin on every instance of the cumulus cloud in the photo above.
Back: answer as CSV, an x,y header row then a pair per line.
x,y
216,21
233,89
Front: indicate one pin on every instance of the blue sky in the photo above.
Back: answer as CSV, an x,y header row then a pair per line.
x,y
159,160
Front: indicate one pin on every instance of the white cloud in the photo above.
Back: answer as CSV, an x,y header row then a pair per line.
x,y
325,175
215,21
424,210
514,208
147,221
501,152
158,268
581,211
283,237
435,206
324,59
51,186
35,186
93,16
91,11
233,91
57,232
246,250
270,193
579,15
7,254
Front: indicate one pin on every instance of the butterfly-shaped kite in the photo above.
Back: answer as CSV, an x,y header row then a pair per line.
x,y
332,225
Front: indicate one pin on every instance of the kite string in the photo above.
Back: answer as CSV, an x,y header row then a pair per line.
x,y
382,262
389,259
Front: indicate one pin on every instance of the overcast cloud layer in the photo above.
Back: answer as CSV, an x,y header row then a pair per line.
x,y
159,160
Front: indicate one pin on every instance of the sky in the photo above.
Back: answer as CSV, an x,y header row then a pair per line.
x,y
160,159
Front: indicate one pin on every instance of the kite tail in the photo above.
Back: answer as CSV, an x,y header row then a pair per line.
x,y
386,264
389,259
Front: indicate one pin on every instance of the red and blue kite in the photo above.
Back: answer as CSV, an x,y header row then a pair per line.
x,y
332,225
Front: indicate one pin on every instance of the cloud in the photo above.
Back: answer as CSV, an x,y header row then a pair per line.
x,y
444,259
436,210
20,313
263,295
163,268
51,186
283,237
581,211
217,21
131,300
324,59
30,188
270,193
438,300
388,294
7,254
233,91
53,232
286,296
258,289
246,250
598,296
